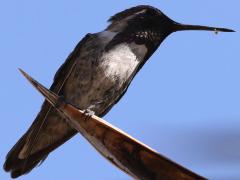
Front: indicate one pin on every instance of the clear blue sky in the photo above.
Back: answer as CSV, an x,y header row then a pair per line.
x,y
185,102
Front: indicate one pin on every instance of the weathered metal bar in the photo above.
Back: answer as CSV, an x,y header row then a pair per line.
x,y
125,152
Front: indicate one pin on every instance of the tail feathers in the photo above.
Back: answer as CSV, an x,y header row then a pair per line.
x,y
12,155
18,166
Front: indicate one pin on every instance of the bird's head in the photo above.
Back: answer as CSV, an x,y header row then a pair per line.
x,y
145,23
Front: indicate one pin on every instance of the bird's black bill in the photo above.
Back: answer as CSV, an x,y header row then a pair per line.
x,y
184,27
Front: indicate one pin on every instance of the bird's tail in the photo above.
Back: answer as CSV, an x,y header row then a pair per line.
x,y
19,161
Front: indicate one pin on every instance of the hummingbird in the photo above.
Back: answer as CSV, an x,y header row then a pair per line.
x,y
94,78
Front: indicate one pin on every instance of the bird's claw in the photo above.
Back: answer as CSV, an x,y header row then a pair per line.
x,y
88,113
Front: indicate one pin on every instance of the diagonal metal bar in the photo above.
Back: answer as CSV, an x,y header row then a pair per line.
x,y
130,155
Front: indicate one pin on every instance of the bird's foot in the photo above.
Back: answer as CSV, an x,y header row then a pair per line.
x,y
88,113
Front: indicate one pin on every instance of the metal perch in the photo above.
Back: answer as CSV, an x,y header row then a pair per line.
x,y
122,150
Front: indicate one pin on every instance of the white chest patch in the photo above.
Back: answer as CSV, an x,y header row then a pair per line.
x,y
119,63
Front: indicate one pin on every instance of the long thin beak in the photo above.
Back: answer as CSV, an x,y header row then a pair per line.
x,y
184,27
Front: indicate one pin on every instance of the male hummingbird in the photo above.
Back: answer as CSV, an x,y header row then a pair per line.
x,y
94,77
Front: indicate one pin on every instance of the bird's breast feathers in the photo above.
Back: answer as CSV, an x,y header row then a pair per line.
x,y
119,63
102,75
